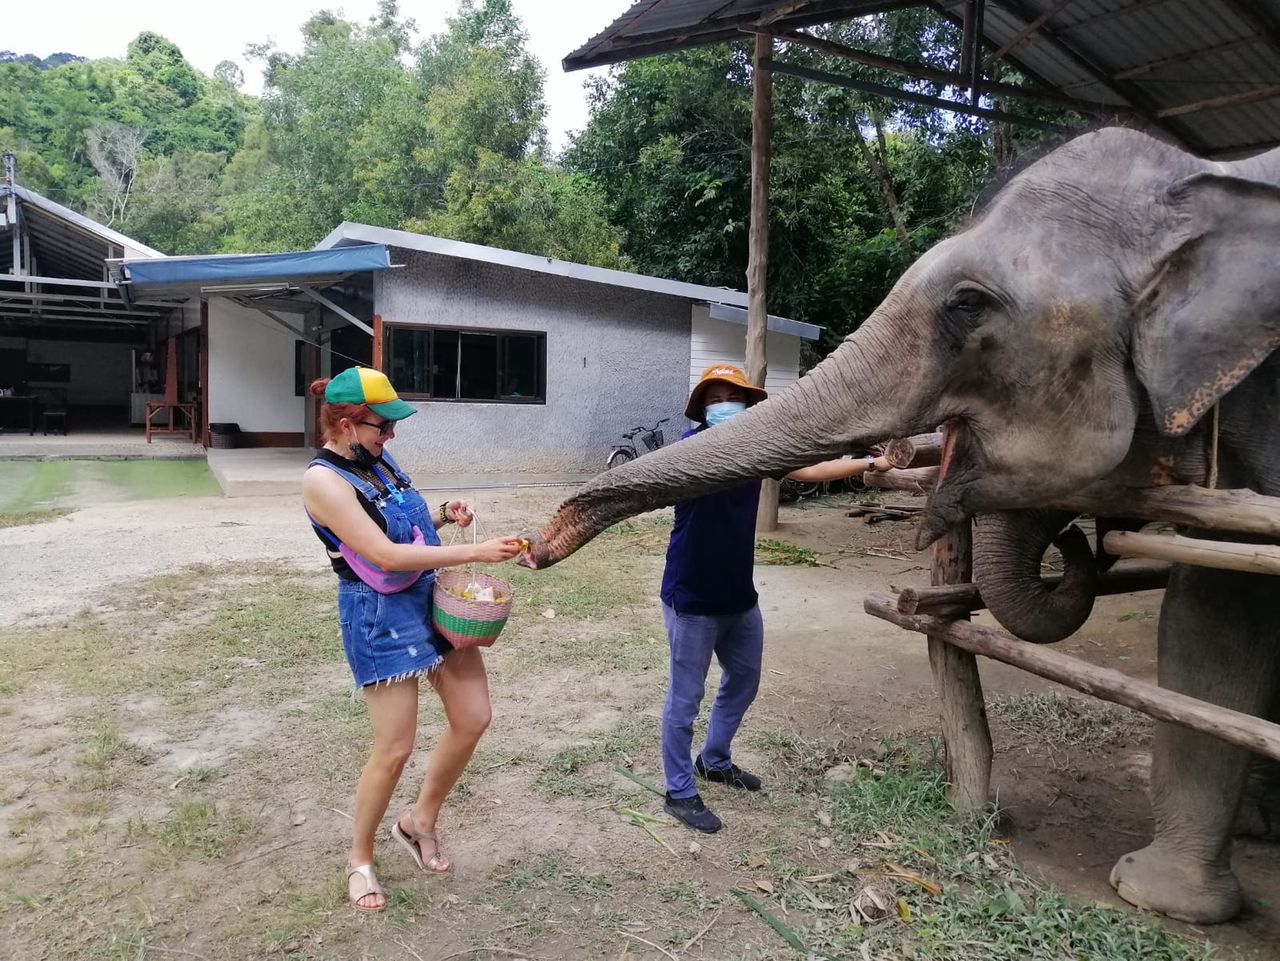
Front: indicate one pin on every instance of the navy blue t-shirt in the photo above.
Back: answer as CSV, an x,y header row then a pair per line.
x,y
712,552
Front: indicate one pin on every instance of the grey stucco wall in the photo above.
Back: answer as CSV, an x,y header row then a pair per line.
x,y
615,358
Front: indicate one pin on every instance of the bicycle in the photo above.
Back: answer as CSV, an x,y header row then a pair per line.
x,y
650,438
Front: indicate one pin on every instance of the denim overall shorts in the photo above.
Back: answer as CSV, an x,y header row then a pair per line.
x,y
389,637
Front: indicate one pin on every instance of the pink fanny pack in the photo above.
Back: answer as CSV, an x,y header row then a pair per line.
x,y
384,582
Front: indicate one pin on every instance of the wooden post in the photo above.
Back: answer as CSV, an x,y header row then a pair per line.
x,y
758,251
376,360
955,676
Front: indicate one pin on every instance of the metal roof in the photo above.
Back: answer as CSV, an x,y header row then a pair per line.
x,y
1207,72
66,283
348,233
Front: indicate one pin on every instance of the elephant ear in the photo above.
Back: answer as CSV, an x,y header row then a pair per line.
x,y
1212,313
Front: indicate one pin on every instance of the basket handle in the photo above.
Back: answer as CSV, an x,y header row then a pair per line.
x,y
475,538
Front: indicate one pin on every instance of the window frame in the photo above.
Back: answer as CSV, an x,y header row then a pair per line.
x,y
389,328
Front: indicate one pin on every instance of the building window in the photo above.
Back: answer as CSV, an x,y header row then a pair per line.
x,y
445,363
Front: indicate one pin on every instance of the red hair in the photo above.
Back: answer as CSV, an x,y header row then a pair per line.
x,y
332,414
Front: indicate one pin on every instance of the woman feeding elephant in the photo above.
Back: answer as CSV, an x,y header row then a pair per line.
x,y
1077,330
381,539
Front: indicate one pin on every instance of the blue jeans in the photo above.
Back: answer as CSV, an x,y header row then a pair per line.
x,y
737,640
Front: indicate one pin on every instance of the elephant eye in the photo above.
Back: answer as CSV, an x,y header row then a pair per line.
x,y
967,300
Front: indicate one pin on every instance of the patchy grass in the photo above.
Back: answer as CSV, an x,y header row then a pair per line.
x,y
566,773
1073,721
780,553
948,887
239,856
27,486
28,518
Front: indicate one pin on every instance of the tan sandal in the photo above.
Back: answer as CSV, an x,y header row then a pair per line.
x,y
371,887
412,840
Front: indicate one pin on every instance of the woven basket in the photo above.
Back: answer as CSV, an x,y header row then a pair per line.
x,y
466,622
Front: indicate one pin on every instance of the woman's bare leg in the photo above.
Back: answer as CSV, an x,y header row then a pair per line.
x,y
393,713
463,687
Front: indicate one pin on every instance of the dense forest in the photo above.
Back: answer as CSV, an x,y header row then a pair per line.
x,y
446,135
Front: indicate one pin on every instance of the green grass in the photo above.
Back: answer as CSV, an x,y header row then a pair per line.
x,y
197,826
27,518
987,907
564,773
779,553
29,486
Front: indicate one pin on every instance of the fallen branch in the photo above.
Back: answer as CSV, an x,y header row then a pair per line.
x,y
698,937
1231,726
263,853
656,947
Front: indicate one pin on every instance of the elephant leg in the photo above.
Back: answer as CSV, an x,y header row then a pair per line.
x,y
1218,643
1259,815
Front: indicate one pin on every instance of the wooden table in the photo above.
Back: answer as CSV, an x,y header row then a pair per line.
x,y
29,400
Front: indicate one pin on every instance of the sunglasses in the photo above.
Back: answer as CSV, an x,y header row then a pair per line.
x,y
384,428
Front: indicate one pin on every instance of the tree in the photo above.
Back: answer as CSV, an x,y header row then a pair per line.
x,y
229,72
529,206
115,150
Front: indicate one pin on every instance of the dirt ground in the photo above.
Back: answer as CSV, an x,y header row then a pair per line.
x,y
179,747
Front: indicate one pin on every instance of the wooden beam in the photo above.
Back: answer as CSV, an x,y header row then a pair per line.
x,y
782,12
916,480
757,361
966,38
966,598
1241,511
975,56
1188,57
1222,555
376,357
963,712
918,71
1242,730
1218,103
893,93
1025,34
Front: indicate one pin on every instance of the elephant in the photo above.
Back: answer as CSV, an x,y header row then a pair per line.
x,y
1109,315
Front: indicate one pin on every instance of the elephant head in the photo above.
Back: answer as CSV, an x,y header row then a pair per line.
x,y
1117,285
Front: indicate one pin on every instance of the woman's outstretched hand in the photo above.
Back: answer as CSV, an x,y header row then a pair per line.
x,y
459,512
497,550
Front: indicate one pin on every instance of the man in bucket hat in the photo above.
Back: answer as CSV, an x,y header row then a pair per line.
x,y
710,606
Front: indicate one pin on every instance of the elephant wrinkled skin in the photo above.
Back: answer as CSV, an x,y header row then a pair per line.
x,y
1078,329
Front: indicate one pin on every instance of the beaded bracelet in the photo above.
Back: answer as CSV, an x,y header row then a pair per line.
x,y
444,512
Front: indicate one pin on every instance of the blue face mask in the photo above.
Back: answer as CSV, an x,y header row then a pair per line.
x,y
719,413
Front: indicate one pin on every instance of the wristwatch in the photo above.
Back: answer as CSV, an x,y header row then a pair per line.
x,y
871,464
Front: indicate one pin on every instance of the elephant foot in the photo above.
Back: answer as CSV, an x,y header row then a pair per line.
x,y
1176,885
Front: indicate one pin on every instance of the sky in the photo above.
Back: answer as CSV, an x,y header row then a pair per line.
x,y
210,33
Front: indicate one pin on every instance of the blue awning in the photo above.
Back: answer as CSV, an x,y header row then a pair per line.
x,y
232,270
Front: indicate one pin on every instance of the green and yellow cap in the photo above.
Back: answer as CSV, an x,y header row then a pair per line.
x,y
364,385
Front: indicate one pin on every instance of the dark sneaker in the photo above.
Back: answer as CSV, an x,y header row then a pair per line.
x,y
691,811
732,775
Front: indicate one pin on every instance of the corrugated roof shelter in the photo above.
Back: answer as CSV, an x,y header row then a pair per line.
x,y
1206,72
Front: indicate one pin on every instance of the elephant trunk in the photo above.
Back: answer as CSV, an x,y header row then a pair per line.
x,y
851,400
1008,548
